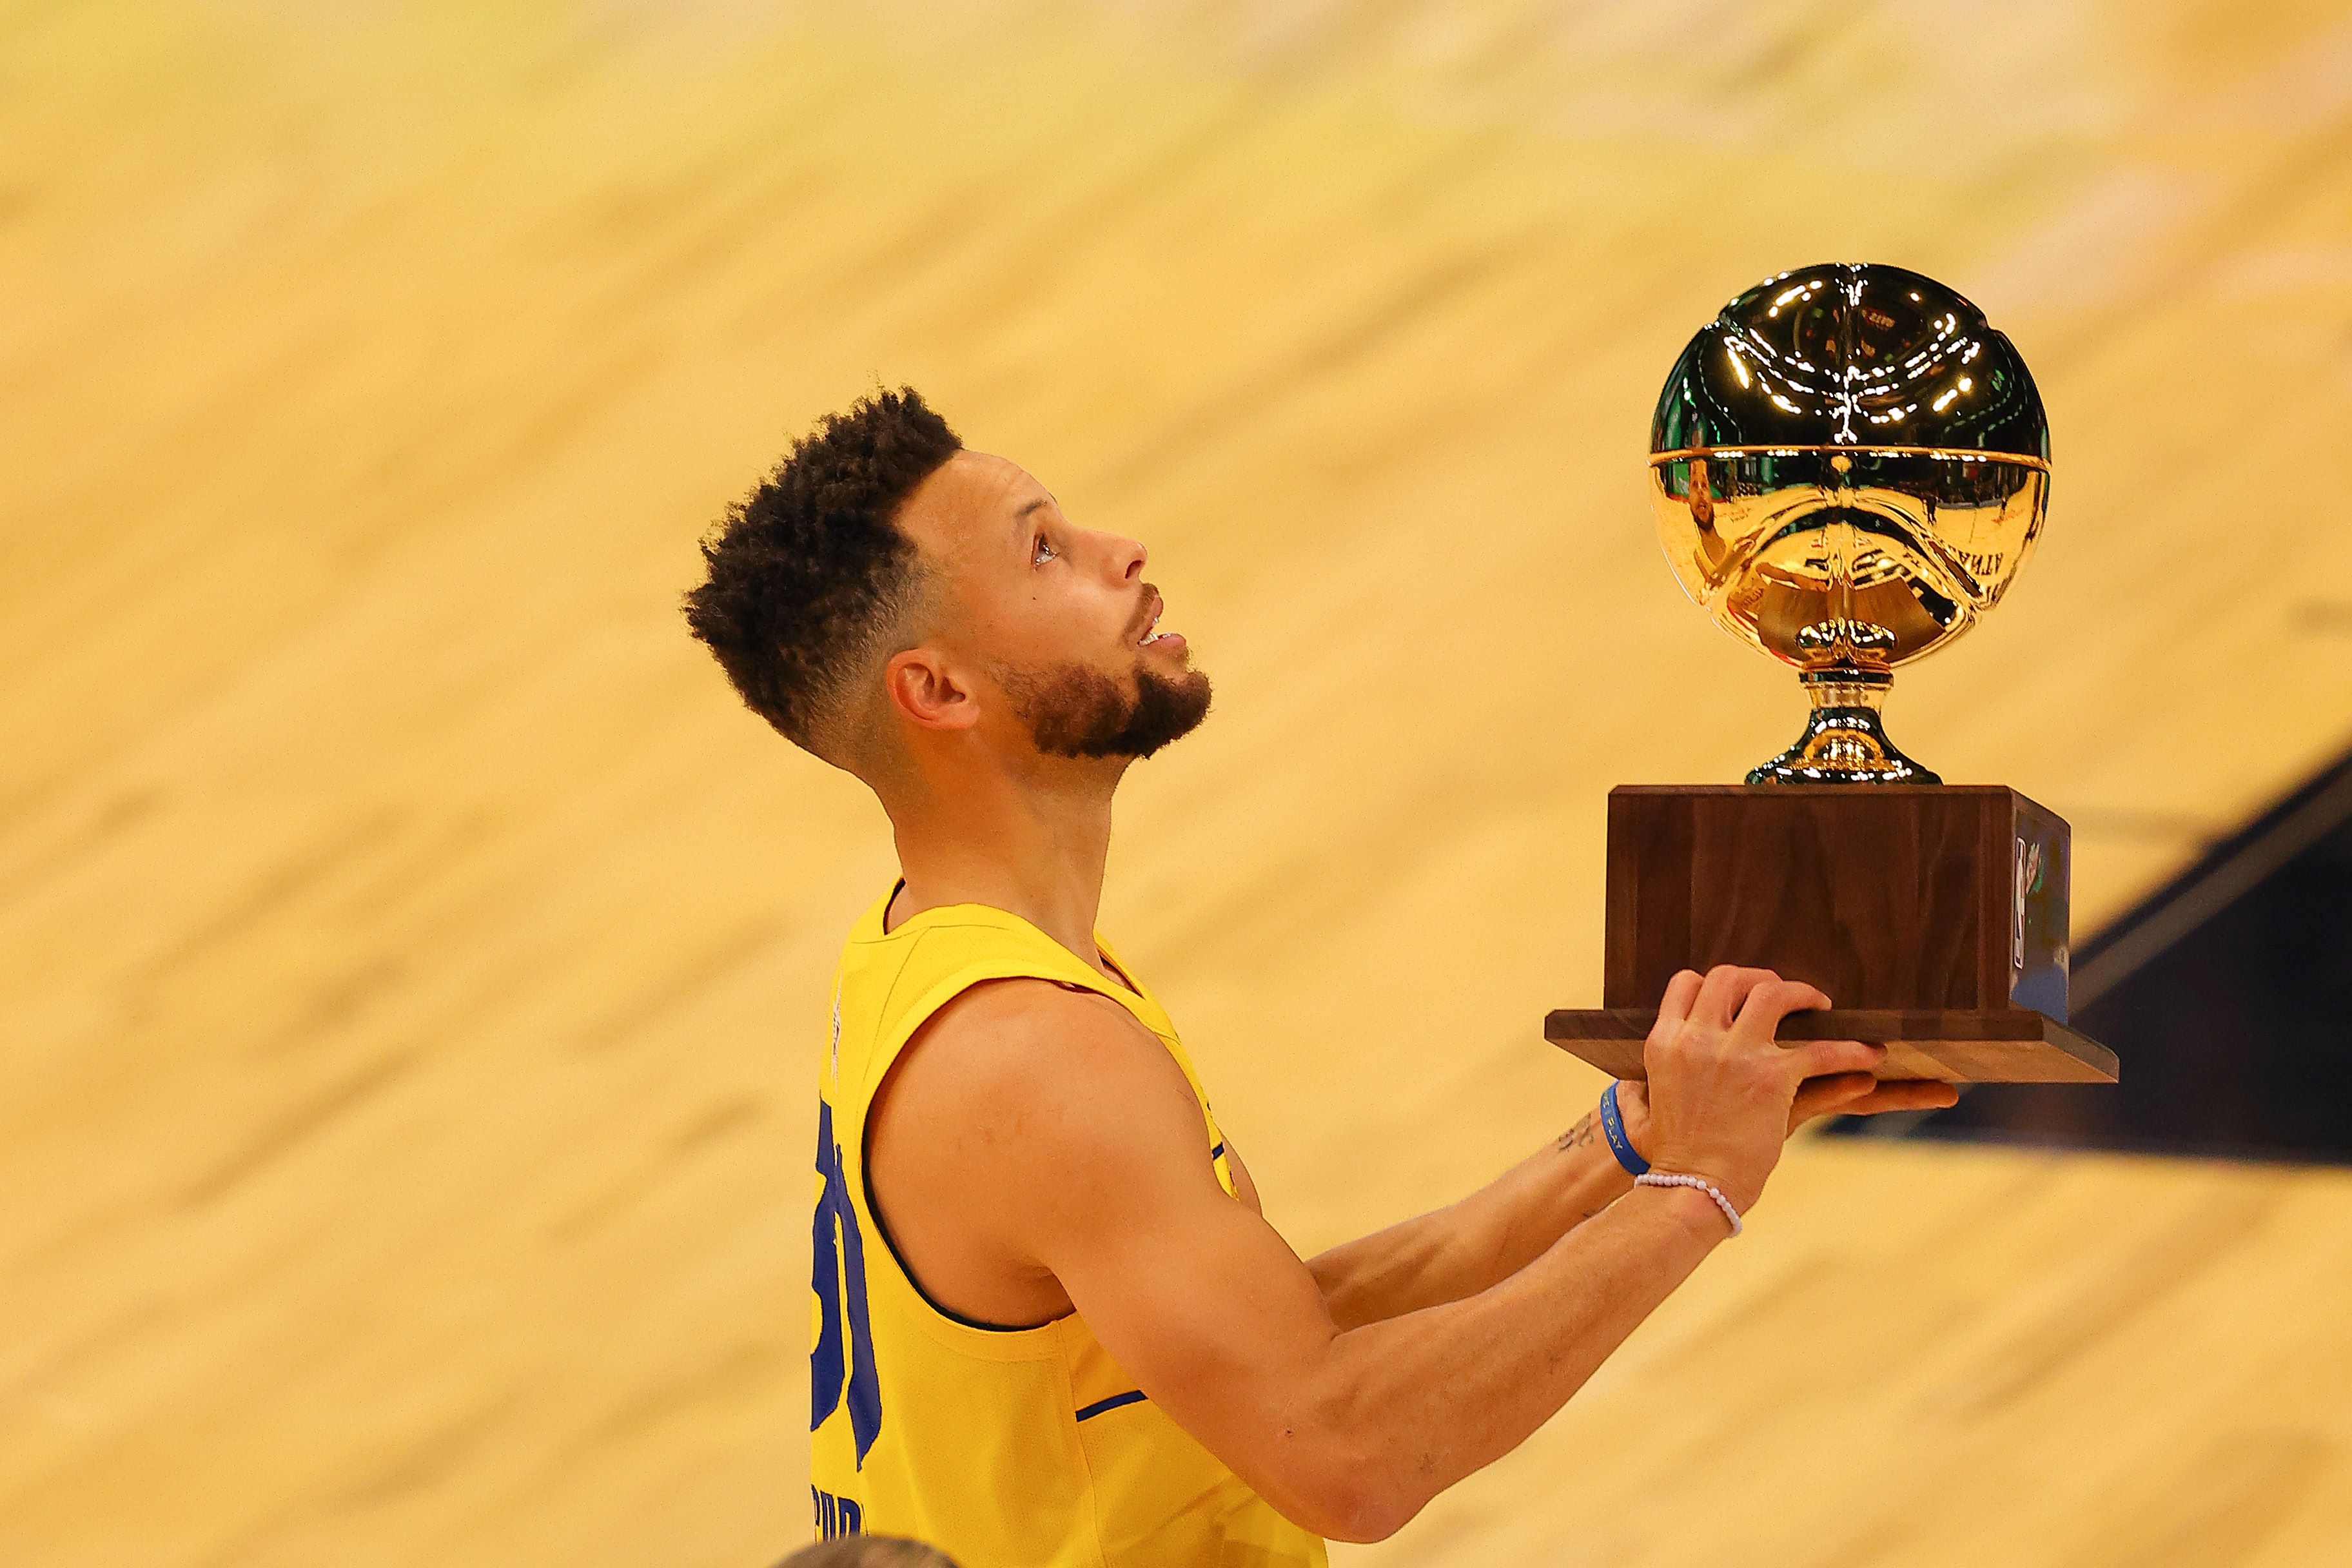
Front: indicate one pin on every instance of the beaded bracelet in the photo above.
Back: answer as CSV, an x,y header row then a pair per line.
x,y
1677,1179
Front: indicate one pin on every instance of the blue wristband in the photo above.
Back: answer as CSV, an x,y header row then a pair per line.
x,y
1613,1122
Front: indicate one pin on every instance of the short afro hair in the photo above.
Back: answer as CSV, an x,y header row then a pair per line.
x,y
809,571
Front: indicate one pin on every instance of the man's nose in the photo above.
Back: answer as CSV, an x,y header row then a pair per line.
x,y
1127,554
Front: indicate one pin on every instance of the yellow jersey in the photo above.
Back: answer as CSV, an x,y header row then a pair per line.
x,y
1004,1447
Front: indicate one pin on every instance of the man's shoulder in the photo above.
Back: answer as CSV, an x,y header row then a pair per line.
x,y
1023,1033
1018,1130
1065,1073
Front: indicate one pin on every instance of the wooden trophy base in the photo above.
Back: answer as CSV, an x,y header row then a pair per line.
x,y
2007,1045
1934,916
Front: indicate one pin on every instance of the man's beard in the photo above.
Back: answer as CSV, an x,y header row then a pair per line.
x,y
1073,711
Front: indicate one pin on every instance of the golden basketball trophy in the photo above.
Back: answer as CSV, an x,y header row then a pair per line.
x,y
1848,466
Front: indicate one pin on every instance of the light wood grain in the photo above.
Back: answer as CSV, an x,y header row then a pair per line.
x,y
411,962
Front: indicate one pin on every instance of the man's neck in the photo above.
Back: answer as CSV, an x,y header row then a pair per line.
x,y
1033,846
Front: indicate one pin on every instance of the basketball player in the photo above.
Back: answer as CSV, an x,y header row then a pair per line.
x,y
1051,1327
864,1551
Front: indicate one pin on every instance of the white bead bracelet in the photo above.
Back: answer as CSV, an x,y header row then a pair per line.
x,y
1677,1179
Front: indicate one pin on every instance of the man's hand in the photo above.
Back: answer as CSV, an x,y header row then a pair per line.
x,y
1860,1094
1839,1094
1722,1096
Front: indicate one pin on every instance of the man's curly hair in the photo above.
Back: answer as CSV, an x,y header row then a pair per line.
x,y
809,573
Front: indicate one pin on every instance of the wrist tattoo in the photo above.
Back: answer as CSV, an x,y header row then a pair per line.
x,y
1578,1136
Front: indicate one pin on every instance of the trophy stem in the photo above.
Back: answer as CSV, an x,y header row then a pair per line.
x,y
1844,742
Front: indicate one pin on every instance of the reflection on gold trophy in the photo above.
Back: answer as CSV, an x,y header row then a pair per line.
x,y
1848,466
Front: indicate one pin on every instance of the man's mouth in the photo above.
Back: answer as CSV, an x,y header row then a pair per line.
x,y
1151,637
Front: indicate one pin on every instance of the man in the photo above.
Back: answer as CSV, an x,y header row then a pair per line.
x,y
1052,1327
868,1552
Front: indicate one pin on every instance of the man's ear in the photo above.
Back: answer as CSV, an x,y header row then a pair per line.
x,y
925,692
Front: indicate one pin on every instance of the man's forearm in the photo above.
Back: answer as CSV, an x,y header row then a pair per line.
x,y
1467,1247
1414,1404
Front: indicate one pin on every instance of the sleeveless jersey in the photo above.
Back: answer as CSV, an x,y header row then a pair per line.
x,y
1004,1447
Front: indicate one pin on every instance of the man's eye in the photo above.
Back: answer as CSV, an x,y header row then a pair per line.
x,y
1041,552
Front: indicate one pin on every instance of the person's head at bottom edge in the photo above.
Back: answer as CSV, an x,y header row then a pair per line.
x,y
868,1552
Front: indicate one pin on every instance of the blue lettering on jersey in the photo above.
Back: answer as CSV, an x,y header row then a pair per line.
x,y
839,1255
837,1515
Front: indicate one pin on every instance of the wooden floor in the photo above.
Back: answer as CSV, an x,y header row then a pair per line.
x,y
412,960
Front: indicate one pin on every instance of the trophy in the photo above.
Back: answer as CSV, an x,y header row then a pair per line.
x,y
1847,468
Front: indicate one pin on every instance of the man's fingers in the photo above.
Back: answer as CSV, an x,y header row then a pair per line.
x,y
1773,999
1682,991
1838,1092
1724,996
1905,1094
1819,1058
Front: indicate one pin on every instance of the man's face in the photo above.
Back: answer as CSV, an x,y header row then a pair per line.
x,y
1056,619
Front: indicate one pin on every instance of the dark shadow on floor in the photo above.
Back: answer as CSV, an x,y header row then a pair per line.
x,y
2228,997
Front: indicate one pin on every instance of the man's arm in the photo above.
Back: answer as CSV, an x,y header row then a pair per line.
x,y
1467,1246
1489,1236
1075,1146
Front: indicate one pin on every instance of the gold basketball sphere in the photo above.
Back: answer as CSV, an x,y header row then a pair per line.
x,y
1848,466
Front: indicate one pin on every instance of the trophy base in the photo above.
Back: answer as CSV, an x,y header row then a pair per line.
x,y
2005,1045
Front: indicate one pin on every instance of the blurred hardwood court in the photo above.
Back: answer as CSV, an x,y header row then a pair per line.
x,y
412,960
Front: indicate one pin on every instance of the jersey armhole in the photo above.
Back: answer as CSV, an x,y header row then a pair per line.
x,y
866,1172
